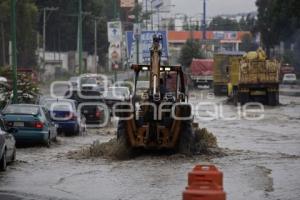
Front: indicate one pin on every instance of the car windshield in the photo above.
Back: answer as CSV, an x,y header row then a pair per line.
x,y
74,79
21,109
112,94
59,105
290,76
88,81
142,84
118,91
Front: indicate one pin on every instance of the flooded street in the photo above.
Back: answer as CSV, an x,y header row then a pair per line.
x,y
262,162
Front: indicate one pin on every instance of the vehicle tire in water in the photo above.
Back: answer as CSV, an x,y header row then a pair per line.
x,y
76,132
3,163
122,150
48,141
243,98
273,98
186,143
14,155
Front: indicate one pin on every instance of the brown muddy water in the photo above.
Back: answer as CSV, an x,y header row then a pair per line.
x,y
260,161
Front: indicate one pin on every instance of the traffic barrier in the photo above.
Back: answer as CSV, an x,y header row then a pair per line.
x,y
206,173
205,182
208,191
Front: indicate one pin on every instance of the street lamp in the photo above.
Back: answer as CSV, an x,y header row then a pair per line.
x,y
158,11
204,20
44,31
14,49
95,42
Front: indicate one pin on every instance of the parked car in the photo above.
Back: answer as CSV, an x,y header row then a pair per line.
x,y
3,79
87,101
88,83
94,82
32,123
289,79
7,146
63,113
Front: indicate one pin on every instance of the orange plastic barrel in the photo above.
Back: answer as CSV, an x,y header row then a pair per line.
x,y
205,173
204,191
204,195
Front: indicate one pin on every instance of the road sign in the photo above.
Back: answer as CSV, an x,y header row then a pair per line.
x,y
145,43
115,66
137,30
127,3
157,3
114,31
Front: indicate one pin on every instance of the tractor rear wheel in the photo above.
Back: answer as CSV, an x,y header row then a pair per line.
x,y
123,150
186,143
273,98
3,162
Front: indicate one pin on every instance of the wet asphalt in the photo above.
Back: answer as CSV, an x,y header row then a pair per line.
x,y
262,162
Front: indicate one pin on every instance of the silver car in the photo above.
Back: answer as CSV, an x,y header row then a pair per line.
x,y
7,146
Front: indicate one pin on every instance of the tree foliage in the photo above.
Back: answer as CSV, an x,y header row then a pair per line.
x,y
226,24
28,90
190,50
62,25
61,29
223,24
278,20
26,13
248,43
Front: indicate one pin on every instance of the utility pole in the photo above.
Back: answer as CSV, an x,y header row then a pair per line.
x,y
158,19
14,50
137,37
80,36
147,14
152,15
44,39
3,44
44,32
95,46
204,20
116,16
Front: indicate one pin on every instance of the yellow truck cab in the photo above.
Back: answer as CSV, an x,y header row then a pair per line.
x,y
222,61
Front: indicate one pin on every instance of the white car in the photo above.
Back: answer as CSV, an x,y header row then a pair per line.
x,y
88,83
3,79
289,79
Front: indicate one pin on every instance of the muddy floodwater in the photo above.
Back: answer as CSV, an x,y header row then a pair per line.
x,y
262,162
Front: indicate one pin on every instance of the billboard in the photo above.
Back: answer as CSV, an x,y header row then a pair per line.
x,y
225,35
145,43
114,52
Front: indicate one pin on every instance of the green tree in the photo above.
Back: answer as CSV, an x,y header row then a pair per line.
x,y
277,21
27,13
296,52
4,31
26,31
223,24
62,25
190,50
248,43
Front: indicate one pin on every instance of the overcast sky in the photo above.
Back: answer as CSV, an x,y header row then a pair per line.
x,y
214,7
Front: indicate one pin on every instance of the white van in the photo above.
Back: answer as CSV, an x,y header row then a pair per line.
x,y
289,79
